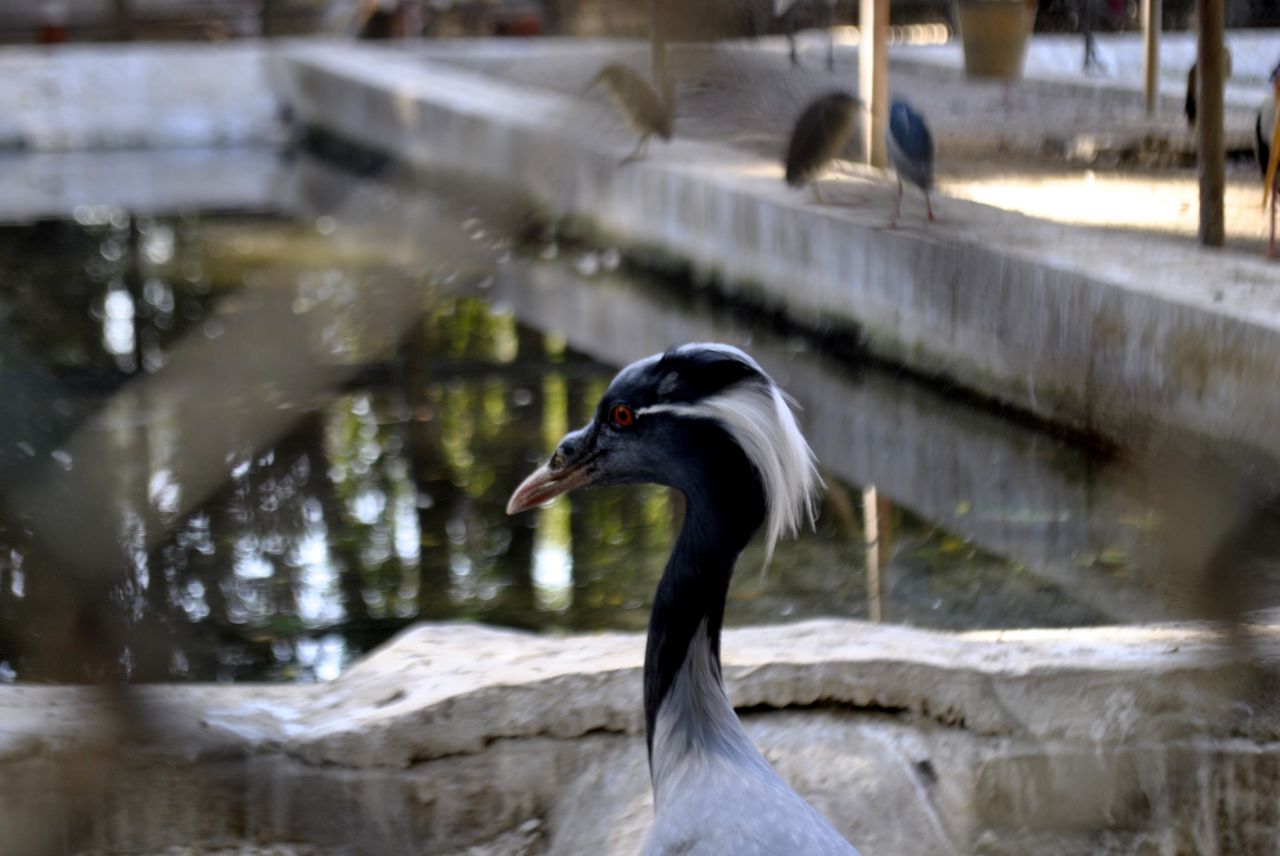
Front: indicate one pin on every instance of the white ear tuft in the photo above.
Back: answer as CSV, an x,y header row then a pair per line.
x,y
760,419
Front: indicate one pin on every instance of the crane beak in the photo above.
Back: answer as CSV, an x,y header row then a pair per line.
x,y
550,480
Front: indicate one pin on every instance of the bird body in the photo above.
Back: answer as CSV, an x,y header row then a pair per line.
x,y
1264,122
714,794
819,135
786,9
910,147
707,421
1265,132
643,109
1190,105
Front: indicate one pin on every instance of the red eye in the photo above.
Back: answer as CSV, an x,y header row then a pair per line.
x,y
622,416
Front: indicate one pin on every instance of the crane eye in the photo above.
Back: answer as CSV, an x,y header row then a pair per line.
x,y
622,416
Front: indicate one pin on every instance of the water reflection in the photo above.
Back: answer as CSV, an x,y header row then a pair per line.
x,y
384,503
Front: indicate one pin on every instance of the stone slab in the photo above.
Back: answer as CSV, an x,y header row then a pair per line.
x,y
136,96
455,736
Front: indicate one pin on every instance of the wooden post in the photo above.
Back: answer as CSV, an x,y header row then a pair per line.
x,y
1212,152
873,77
1152,14
871,532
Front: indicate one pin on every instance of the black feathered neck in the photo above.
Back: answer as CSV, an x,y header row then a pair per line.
x,y
724,506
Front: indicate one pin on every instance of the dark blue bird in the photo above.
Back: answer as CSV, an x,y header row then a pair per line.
x,y
910,148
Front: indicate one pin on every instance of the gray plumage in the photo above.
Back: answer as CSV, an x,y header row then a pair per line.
x,y
643,109
705,420
714,794
819,135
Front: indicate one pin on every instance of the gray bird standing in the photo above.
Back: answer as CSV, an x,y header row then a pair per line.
x,y
910,148
787,10
819,135
644,110
706,420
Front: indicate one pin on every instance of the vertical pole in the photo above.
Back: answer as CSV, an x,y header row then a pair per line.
x,y
1152,14
873,76
658,48
871,532
1212,152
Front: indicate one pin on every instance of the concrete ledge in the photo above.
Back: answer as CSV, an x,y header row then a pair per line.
x,y
454,734
136,96
1102,332
168,181
441,690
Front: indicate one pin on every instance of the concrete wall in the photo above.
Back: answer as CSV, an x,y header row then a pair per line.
x,y
136,96
1089,741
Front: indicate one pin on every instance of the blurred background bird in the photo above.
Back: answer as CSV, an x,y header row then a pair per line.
x,y
645,111
1266,148
819,135
910,148
1190,105
791,14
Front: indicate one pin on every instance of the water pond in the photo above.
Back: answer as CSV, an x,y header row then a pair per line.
x,y
253,446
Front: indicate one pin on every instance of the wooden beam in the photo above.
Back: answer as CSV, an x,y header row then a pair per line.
x,y
1211,73
873,77
1152,15
871,531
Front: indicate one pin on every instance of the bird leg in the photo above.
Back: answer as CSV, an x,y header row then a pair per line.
x,y
791,40
928,206
897,208
817,195
636,153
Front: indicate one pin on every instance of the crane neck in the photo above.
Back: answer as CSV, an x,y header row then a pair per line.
x,y
686,706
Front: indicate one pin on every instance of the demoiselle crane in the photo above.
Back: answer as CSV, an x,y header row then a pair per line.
x,y
706,420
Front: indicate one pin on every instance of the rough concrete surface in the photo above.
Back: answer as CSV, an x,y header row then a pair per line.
x,y
454,736
136,96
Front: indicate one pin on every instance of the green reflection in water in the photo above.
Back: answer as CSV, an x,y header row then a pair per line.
x,y
384,503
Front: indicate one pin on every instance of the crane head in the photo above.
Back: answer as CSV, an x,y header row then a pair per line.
x,y
672,419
